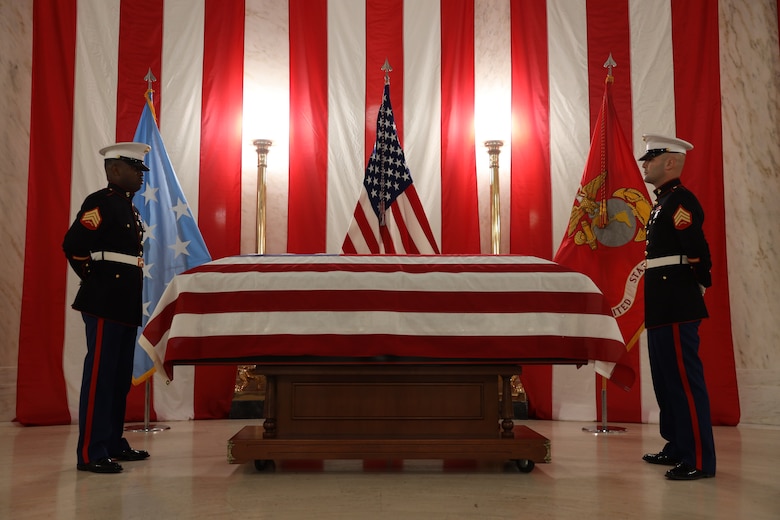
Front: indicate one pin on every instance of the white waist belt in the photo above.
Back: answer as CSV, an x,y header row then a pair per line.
x,y
118,257
666,260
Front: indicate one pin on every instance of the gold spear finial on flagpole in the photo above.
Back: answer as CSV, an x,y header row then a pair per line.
x,y
149,79
149,91
388,69
608,65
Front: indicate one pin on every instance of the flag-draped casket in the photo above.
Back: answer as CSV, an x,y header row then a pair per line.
x,y
375,309
307,75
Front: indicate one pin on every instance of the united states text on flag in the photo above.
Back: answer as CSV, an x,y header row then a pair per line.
x,y
389,217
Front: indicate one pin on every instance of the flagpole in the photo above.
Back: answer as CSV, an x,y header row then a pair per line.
x,y
147,427
605,428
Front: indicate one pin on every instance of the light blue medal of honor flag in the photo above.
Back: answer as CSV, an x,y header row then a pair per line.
x,y
172,241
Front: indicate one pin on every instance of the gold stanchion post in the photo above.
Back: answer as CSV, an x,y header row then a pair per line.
x,y
494,148
262,146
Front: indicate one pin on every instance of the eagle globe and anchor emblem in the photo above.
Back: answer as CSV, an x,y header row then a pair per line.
x,y
612,222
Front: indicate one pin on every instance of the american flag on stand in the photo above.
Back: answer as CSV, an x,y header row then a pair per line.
x,y
389,218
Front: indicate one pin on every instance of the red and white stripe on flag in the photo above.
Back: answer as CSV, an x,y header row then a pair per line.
x,y
306,74
477,307
389,218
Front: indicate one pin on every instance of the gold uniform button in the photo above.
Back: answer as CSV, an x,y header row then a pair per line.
x,y
117,275
663,277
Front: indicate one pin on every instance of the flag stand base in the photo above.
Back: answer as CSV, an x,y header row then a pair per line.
x,y
146,427
604,428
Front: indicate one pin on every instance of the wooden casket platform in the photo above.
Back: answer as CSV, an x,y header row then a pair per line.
x,y
380,411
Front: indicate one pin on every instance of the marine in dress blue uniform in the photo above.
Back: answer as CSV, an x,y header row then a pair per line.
x,y
104,246
677,274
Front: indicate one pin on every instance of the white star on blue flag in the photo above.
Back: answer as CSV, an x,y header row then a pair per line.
x,y
172,241
387,168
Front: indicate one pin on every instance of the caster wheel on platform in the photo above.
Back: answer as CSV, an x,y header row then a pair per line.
x,y
265,465
525,465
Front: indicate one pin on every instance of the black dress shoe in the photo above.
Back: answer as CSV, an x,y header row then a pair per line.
x,y
104,465
660,458
132,454
683,471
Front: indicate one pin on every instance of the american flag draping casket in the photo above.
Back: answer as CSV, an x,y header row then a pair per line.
x,y
471,308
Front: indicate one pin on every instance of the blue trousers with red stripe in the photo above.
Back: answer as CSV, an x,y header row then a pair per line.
x,y
678,380
105,383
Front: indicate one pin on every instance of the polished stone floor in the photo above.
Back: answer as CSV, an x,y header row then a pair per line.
x,y
590,477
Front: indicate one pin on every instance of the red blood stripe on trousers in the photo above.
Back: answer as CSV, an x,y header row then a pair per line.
x,y
93,381
688,394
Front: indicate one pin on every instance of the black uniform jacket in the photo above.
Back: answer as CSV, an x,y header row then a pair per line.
x,y
672,293
107,221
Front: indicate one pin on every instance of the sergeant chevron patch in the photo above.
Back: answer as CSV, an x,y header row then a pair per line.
x,y
91,219
682,218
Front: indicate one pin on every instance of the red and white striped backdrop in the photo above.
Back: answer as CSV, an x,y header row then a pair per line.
x,y
306,74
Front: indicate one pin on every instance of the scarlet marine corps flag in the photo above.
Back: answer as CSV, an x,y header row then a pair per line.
x,y
605,238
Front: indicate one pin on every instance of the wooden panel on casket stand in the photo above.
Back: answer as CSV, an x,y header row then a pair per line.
x,y
388,411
